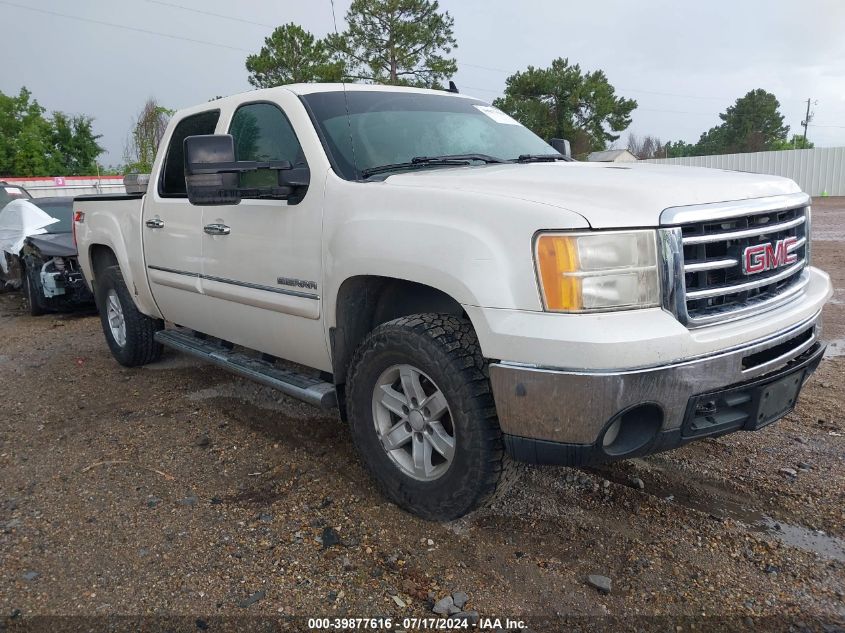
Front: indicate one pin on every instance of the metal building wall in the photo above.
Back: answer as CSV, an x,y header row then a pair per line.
x,y
53,187
816,171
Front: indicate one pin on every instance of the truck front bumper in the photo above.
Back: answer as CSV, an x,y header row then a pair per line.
x,y
580,417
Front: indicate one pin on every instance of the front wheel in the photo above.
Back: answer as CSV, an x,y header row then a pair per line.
x,y
422,415
32,292
130,334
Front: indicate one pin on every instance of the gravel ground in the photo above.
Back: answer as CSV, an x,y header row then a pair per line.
x,y
178,490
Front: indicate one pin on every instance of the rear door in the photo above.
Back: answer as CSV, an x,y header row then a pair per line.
x,y
262,277
172,228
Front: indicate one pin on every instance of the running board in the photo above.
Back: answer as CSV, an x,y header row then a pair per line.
x,y
301,386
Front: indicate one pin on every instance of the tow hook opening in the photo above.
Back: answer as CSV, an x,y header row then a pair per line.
x,y
632,429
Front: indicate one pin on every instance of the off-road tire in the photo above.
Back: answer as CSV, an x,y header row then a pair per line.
x,y
30,287
141,347
447,350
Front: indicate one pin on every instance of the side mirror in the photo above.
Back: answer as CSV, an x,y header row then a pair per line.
x,y
212,175
206,181
561,146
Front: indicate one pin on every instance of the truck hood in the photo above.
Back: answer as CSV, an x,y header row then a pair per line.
x,y
607,195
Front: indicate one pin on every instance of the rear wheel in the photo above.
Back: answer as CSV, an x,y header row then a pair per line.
x,y
422,415
32,292
130,334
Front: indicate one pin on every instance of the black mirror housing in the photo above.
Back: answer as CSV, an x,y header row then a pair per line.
x,y
561,146
212,173
205,182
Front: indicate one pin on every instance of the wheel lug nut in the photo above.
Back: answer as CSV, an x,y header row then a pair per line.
x,y
426,411
408,426
405,409
414,401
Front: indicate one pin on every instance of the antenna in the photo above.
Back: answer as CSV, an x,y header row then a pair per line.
x,y
453,87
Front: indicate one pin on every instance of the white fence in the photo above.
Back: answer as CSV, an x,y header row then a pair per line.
x,y
54,187
817,171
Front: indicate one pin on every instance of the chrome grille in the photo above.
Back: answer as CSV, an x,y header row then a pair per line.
x,y
715,288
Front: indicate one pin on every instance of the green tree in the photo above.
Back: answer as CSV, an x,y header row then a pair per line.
x,y
400,42
22,130
796,142
679,149
31,147
713,141
563,102
753,124
34,145
74,145
292,55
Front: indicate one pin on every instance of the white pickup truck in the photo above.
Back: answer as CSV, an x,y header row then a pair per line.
x,y
463,292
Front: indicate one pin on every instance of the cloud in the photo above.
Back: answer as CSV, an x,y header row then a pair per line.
x,y
702,55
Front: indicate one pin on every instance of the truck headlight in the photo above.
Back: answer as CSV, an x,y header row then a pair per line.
x,y
596,271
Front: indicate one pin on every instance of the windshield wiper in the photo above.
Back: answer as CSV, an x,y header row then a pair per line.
x,y
425,161
484,158
541,158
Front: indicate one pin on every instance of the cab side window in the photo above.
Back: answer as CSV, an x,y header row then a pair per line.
x,y
262,132
172,183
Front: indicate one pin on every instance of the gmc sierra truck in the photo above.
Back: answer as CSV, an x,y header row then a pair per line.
x,y
465,293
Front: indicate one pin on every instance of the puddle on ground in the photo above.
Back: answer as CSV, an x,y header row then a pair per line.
x,y
835,348
804,538
732,507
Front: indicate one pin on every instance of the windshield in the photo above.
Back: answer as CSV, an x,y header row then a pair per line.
x,y
59,208
11,192
389,127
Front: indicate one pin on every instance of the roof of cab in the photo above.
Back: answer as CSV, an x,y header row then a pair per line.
x,y
305,89
310,88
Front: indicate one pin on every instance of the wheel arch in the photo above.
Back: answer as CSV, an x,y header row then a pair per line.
x,y
102,255
366,301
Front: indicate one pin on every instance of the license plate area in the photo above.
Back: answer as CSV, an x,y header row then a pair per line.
x,y
776,399
749,406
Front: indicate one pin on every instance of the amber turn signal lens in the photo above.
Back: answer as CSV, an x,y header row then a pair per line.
x,y
556,256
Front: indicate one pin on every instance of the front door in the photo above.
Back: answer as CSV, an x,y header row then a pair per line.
x,y
261,258
172,228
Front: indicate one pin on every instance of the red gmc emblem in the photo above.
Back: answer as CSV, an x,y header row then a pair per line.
x,y
762,257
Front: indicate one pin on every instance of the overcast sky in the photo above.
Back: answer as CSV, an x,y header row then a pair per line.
x,y
683,61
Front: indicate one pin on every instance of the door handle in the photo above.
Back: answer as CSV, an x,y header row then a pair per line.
x,y
217,229
155,223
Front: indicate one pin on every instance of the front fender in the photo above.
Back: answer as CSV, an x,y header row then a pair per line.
x,y
476,248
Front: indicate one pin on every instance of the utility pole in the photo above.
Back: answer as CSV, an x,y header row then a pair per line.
x,y
806,121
